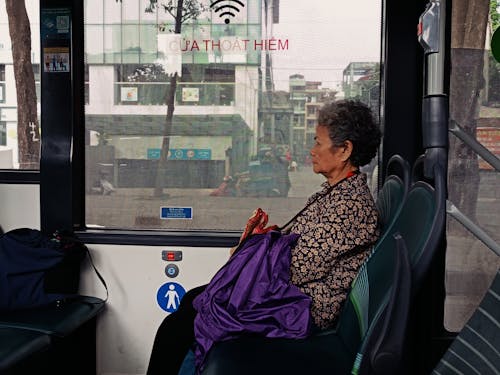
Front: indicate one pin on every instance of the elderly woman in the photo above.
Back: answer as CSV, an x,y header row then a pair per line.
x,y
337,229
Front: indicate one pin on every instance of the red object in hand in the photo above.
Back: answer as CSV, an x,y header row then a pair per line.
x,y
257,224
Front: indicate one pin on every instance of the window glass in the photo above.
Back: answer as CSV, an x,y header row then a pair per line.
x,y
245,102
130,44
131,11
146,16
113,52
254,12
36,74
3,133
13,151
2,83
473,184
86,79
94,44
148,43
112,11
93,12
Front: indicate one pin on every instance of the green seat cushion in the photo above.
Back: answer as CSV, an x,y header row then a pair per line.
x,y
55,320
18,344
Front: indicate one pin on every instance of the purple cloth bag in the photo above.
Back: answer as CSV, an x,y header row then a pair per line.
x,y
252,294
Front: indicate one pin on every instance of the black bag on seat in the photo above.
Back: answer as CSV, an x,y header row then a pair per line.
x,y
36,269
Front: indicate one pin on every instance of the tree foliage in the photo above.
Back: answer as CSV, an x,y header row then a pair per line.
x,y
494,16
191,9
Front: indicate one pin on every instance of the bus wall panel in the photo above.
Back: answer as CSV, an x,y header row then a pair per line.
x,y
134,274
19,206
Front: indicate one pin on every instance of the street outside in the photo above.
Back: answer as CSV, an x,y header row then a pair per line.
x,y
136,208
470,265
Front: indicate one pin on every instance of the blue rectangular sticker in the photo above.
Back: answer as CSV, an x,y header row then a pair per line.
x,y
176,213
181,153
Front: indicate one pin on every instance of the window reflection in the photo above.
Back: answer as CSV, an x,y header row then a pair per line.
x,y
473,185
243,111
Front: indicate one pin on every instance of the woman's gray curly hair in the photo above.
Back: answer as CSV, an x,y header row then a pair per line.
x,y
351,120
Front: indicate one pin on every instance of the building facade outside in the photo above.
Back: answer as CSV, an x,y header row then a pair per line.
x,y
130,56
8,100
227,114
361,80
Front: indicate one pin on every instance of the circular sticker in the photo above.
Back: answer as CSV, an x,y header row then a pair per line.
x,y
171,270
169,296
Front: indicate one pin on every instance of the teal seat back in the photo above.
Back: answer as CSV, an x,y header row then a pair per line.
x,y
476,349
390,200
393,191
368,296
371,290
421,223
416,219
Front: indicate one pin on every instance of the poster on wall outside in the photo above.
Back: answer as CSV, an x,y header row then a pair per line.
x,y
128,94
56,60
190,94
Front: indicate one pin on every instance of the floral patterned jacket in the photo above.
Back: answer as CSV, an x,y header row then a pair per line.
x,y
337,232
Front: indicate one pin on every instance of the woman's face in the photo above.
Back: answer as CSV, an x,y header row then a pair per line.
x,y
328,160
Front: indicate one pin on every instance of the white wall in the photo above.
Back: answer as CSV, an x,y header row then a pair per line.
x,y
126,329
19,206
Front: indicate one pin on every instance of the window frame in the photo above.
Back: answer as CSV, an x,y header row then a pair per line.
x,y
52,199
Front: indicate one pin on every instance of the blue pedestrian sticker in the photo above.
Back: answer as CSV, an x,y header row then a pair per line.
x,y
169,296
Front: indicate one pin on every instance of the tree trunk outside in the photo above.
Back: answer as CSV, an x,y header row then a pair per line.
x,y
167,130
28,132
469,22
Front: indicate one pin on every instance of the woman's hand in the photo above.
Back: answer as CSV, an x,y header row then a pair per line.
x,y
252,222
259,218
256,224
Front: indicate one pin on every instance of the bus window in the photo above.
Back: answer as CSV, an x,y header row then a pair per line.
x,y
19,114
194,130
474,186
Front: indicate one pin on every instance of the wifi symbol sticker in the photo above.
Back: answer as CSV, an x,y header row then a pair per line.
x,y
227,10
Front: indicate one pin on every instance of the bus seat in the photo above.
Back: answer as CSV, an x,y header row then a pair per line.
x,y
332,351
425,209
57,320
393,191
373,319
70,327
476,348
18,345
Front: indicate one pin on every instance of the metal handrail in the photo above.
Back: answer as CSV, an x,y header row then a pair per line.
x,y
480,234
478,148
453,210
